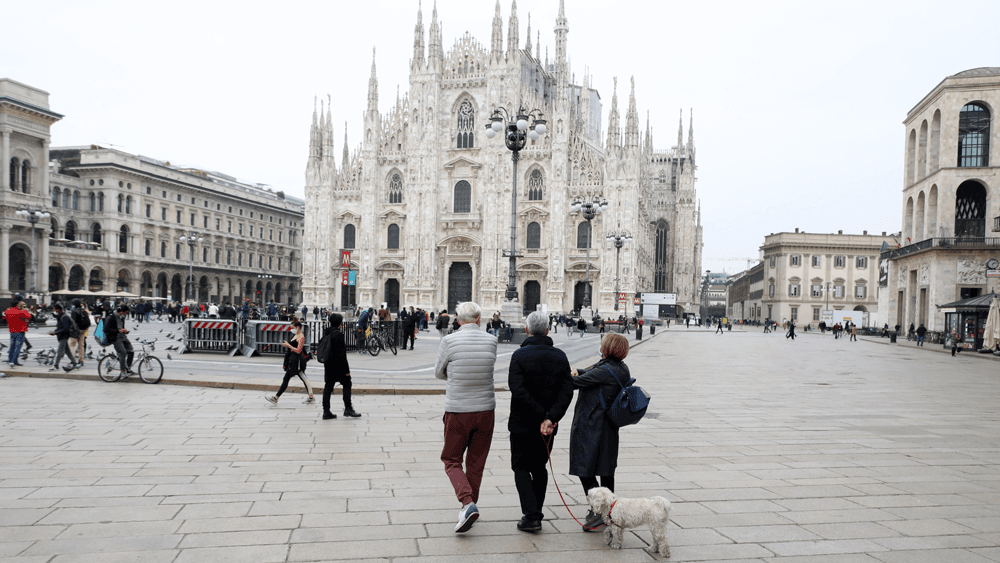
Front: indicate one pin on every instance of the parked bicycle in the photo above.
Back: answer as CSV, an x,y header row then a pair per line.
x,y
381,337
150,367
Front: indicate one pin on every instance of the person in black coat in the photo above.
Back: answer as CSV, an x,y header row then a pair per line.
x,y
409,327
336,370
540,393
593,441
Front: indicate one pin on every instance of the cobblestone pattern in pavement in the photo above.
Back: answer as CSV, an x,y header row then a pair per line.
x,y
807,451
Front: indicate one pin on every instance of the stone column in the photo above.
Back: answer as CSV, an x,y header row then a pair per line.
x,y
5,172
5,247
43,176
43,265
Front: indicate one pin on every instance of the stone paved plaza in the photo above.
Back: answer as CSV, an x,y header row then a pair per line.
x,y
814,450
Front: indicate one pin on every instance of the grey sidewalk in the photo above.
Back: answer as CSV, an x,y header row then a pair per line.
x,y
771,450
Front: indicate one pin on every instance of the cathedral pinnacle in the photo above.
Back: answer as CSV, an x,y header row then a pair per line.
x,y
496,43
680,131
435,54
346,161
373,87
691,132
632,121
418,41
614,129
512,33
527,43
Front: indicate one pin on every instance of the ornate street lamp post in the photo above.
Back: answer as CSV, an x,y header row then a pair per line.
x,y
33,215
192,241
591,208
516,131
618,239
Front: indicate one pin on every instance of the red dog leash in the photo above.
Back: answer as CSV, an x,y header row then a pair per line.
x,y
552,471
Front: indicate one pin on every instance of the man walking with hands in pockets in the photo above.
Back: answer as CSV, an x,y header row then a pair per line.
x,y
466,360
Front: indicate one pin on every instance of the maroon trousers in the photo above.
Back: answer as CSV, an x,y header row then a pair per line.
x,y
468,435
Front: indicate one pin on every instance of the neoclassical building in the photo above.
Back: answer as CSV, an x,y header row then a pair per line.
x,y
424,203
116,220
951,200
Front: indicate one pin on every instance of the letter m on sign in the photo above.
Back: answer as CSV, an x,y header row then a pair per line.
x,y
345,258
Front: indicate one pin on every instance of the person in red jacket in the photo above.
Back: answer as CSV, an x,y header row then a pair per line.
x,y
17,321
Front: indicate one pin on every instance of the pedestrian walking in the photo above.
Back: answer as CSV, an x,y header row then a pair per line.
x,y
81,316
336,370
581,325
854,332
295,364
593,442
791,330
719,330
541,390
921,333
465,360
315,312
66,333
442,323
17,316
955,342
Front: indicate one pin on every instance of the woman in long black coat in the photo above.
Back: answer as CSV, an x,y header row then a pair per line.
x,y
593,443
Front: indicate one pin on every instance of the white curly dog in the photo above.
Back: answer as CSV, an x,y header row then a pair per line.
x,y
621,513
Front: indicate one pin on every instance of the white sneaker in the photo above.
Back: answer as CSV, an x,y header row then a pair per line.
x,y
467,517
271,399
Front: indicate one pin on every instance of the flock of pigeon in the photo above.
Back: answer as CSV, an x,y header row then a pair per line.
x,y
47,356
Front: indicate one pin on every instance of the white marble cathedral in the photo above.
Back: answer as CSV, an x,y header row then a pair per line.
x,y
424,204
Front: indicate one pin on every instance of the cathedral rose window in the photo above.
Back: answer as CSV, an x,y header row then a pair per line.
x,y
396,189
466,124
535,184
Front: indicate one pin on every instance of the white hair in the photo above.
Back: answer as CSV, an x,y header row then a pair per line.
x,y
538,323
468,312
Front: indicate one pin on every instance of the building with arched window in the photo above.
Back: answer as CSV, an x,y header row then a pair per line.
x,y
129,245
951,205
425,175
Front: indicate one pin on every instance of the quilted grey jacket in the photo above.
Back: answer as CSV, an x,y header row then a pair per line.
x,y
466,360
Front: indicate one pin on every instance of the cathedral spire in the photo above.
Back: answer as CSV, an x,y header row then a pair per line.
x,y
512,33
418,41
632,121
614,129
347,154
435,55
496,43
373,87
649,134
562,68
680,132
538,47
691,132
527,42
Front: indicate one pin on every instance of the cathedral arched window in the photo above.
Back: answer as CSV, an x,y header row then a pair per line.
x,y
661,263
396,189
95,233
392,238
974,135
56,193
121,203
25,176
123,239
128,205
534,235
93,201
583,235
663,177
349,232
14,173
100,201
535,185
463,197
70,231
466,125
66,198
76,200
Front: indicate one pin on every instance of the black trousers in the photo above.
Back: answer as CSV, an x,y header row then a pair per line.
x,y
528,456
330,380
408,336
607,481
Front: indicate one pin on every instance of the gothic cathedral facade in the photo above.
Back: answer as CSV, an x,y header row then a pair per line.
x,y
424,204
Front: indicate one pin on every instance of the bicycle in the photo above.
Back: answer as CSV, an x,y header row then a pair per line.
x,y
150,367
379,339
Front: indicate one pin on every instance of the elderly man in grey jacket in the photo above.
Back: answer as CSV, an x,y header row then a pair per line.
x,y
466,360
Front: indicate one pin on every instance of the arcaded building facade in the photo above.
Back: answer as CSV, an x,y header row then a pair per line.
x,y
951,200
424,203
116,220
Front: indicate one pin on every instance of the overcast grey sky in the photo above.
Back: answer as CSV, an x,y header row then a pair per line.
x,y
797,105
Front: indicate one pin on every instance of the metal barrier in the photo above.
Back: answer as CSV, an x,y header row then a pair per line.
x,y
216,335
265,337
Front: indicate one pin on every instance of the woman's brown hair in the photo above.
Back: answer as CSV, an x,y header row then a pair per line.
x,y
614,345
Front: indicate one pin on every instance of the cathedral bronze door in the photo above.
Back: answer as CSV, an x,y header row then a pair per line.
x,y
532,296
392,294
578,292
459,284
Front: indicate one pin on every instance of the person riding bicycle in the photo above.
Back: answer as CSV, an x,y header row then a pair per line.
x,y
114,328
